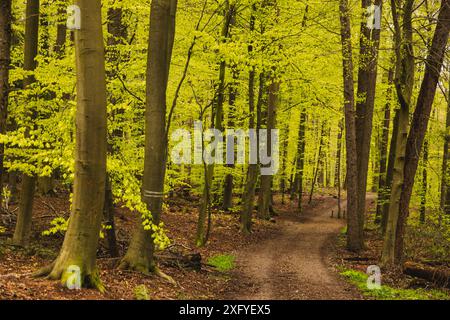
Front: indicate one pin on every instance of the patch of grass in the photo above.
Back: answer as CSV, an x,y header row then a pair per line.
x,y
141,293
359,279
222,262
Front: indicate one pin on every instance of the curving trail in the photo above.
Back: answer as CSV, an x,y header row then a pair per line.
x,y
295,263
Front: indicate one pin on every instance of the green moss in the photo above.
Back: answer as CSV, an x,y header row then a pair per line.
x,y
222,262
359,279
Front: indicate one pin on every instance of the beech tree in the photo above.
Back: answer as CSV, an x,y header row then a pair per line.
x,y
90,155
140,254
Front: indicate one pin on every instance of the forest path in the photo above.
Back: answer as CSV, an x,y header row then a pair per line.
x,y
295,263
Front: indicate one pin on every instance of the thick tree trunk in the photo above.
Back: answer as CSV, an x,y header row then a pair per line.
x,y
404,82
367,76
140,254
5,61
355,240
90,154
23,226
420,120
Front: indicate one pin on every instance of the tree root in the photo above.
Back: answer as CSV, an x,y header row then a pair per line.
x,y
51,272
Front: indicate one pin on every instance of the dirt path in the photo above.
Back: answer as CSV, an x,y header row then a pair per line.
x,y
295,263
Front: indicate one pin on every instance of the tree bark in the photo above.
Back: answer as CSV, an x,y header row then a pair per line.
x,y
367,78
90,154
445,199
229,181
217,123
423,194
354,237
140,254
382,179
23,226
248,196
420,120
404,82
5,61
301,159
265,194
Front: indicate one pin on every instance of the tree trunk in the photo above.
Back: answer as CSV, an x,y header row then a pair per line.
x,y
23,226
248,196
229,181
318,163
445,199
301,159
382,179
61,31
265,194
423,195
5,61
354,237
420,120
217,123
90,154
367,78
140,254
337,180
404,82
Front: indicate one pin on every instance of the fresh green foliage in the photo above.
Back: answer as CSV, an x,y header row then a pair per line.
x,y
222,262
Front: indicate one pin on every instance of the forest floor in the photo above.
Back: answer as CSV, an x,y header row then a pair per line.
x,y
297,261
291,257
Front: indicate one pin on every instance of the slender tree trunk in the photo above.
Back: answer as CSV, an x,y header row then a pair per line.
x,y
248,196
265,194
445,199
318,163
229,181
382,179
337,180
24,217
117,34
140,254
423,195
61,30
217,123
90,154
420,120
354,238
5,61
301,159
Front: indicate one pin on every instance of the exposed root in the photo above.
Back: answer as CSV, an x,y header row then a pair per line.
x,y
164,276
51,272
44,272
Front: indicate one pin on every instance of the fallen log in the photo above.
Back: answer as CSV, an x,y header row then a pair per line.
x,y
182,261
439,276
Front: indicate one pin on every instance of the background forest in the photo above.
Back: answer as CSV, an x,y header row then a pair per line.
x,y
87,116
